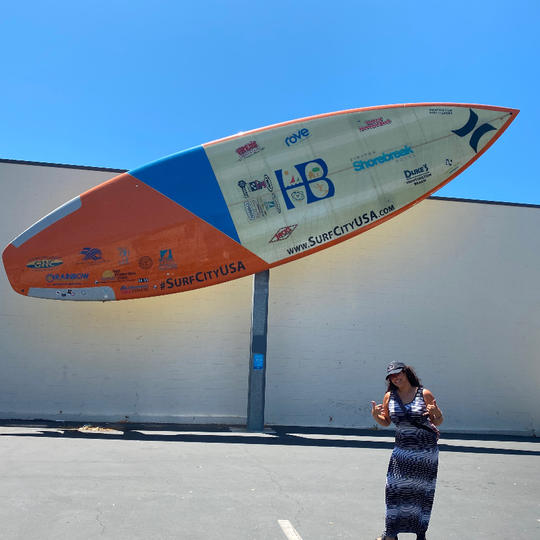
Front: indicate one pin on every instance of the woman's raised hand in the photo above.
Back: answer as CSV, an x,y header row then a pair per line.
x,y
433,411
376,410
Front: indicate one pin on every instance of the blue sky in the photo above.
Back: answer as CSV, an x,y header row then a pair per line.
x,y
119,83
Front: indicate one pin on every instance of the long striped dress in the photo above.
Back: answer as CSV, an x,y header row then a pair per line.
x,y
412,471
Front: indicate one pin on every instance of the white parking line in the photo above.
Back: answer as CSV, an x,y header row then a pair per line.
x,y
289,530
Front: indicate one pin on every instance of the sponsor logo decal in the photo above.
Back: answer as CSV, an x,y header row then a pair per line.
x,y
255,185
67,292
132,289
201,277
91,254
300,135
166,260
372,124
44,263
359,221
259,207
450,163
145,262
360,165
440,110
53,278
283,233
470,126
117,275
417,176
263,202
311,175
123,255
248,149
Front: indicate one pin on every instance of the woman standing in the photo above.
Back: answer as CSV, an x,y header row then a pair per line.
x,y
412,471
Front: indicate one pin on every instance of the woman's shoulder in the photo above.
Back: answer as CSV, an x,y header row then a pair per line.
x,y
427,394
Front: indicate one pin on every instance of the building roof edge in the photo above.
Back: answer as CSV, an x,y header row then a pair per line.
x,y
61,165
108,169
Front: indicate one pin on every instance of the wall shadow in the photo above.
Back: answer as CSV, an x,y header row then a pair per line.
x,y
273,436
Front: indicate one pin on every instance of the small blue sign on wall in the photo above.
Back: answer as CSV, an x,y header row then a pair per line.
x,y
258,361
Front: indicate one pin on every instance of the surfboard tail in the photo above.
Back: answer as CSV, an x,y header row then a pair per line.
x,y
148,245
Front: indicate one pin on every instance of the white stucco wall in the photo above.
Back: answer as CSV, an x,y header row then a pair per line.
x,y
449,287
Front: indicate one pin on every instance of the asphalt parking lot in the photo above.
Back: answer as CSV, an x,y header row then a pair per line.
x,y
219,482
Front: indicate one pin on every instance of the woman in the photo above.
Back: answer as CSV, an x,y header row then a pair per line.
x,y
412,472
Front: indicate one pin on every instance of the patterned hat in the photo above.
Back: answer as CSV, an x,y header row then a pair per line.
x,y
394,367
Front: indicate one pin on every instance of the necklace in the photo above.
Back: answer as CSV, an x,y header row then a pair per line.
x,y
407,397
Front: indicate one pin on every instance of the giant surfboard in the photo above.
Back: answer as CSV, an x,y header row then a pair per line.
x,y
239,205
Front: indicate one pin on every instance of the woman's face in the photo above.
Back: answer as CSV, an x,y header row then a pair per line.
x,y
398,379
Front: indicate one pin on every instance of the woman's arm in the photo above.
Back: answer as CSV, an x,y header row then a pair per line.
x,y
380,412
433,411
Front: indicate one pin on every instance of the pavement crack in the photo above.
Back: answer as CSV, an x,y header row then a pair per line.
x,y
273,477
100,523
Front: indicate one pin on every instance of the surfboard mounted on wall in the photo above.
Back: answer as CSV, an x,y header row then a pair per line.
x,y
246,203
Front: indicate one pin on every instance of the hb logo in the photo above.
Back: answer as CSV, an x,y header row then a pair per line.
x,y
477,133
310,196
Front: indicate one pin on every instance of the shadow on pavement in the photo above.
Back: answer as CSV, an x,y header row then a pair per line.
x,y
274,435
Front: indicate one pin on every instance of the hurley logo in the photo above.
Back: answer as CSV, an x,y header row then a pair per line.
x,y
477,133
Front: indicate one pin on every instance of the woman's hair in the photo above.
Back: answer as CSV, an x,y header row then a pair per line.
x,y
411,375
